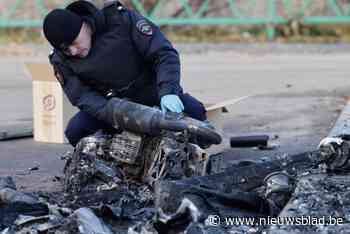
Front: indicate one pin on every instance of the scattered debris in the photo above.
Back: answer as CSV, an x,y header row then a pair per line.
x,y
35,168
138,183
56,178
261,189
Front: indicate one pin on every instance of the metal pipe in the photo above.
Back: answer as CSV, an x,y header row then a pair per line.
x,y
147,120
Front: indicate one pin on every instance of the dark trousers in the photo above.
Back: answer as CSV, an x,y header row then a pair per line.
x,y
83,124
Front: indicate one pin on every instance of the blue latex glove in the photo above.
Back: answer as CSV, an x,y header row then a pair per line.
x,y
172,103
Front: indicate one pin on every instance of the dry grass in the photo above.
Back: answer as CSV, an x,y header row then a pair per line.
x,y
304,34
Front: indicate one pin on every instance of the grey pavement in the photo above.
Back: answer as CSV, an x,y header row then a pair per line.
x,y
295,97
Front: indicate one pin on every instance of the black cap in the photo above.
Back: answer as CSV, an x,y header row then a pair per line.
x,y
61,27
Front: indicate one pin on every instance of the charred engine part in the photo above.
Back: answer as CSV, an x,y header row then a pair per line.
x,y
249,141
278,182
335,152
174,160
128,150
244,177
124,156
142,119
279,187
126,147
213,202
150,147
215,164
88,162
86,168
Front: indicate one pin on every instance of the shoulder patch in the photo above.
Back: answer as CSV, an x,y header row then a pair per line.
x,y
58,75
144,27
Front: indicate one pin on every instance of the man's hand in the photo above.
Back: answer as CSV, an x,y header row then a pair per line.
x,y
172,103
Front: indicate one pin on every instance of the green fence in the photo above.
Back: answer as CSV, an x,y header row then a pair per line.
x,y
267,13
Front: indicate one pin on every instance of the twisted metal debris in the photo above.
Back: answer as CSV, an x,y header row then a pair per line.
x,y
135,182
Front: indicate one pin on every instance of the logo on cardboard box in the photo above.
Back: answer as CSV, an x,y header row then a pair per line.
x,y
49,102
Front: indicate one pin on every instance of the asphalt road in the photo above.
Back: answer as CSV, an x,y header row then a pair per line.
x,y
294,98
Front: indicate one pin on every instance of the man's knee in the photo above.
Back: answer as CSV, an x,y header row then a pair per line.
x,y
71,137
73,132
194,108
82,125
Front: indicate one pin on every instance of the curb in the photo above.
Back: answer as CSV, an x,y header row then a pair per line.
x,y
342,125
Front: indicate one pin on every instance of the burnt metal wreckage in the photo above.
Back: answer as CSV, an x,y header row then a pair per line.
x,y
155,176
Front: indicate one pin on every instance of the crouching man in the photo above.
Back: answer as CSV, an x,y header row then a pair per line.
x,y
113,52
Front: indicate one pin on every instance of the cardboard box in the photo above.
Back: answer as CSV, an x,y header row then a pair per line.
x,y
51,108
215,111
215,114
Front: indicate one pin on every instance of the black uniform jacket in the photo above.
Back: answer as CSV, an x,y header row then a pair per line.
x,y
129,57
